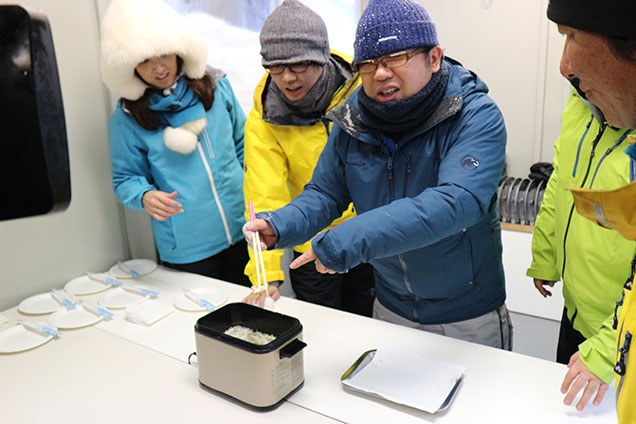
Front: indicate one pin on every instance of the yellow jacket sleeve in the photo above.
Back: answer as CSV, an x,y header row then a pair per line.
x,y
279,161
265,185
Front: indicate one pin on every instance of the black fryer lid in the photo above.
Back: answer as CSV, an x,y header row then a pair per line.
x,y
218,321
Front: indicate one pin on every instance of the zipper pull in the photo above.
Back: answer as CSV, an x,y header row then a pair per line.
x,y
618,304
389,167
620,368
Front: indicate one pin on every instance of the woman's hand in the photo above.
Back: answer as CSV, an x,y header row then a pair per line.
x,y
161,205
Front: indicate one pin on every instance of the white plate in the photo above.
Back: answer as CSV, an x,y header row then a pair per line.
x,y
75,318
39,304
84,285
213,295
142,266
119,298
18,339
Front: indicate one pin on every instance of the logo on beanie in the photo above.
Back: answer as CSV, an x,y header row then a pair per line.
x,y
469,162
391,37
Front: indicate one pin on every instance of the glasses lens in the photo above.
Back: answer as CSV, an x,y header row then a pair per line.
x,y
299,67
366,67
276,69
395,61
296,68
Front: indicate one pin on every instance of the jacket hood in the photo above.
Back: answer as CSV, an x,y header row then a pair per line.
x,y
135,30
461,84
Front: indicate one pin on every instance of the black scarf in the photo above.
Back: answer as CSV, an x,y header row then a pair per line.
x,y
396,118
315,103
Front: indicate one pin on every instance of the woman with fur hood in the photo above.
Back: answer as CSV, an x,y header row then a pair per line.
x,y
176,138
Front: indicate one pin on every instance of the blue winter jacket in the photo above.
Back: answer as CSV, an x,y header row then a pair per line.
x,y
209,181
427,218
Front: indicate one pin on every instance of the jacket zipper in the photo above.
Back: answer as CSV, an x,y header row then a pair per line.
x,y
405,270
208,144
607,153
618,352
587,172
578,151
408,172
623,353
389,168
213,186
621,364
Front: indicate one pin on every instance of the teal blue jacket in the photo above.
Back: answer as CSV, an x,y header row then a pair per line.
x,y
209,181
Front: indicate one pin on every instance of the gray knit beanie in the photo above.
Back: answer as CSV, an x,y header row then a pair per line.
x,y
389,26
294,33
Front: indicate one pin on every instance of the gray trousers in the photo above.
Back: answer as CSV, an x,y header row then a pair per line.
x,y
491,329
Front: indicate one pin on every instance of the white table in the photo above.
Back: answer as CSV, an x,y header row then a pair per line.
x,y
119,371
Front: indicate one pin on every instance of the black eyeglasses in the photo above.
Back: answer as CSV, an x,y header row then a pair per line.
x,y
296,68
391,61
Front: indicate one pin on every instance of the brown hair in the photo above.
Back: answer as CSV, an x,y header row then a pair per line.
x,y
203,88
623,48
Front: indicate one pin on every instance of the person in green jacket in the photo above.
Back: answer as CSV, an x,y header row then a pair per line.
x,y
592,262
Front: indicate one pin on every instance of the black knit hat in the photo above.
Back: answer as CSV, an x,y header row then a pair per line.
x,y
616,18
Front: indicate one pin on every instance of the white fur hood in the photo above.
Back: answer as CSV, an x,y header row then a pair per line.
x,y
135,30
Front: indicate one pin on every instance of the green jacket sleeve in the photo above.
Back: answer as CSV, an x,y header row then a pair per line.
x,y
598,352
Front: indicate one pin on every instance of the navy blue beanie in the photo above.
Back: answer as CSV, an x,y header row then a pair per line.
x,y
389,26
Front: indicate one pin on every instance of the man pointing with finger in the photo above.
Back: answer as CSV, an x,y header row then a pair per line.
x,y
419,150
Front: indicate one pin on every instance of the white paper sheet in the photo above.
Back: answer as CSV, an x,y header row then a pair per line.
x,y
407,378
148,312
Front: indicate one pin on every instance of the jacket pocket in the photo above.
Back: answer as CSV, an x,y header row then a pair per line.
x,y
420,172
443,270
164,234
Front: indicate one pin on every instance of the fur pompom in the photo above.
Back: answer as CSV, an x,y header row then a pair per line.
x,y
195,126
184,138
180,140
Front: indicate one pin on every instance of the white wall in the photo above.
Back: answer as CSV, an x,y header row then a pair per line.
x,y
523,297
41,253
506,44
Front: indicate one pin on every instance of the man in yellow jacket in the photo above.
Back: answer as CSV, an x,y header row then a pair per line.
x,y
285,133
600,57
